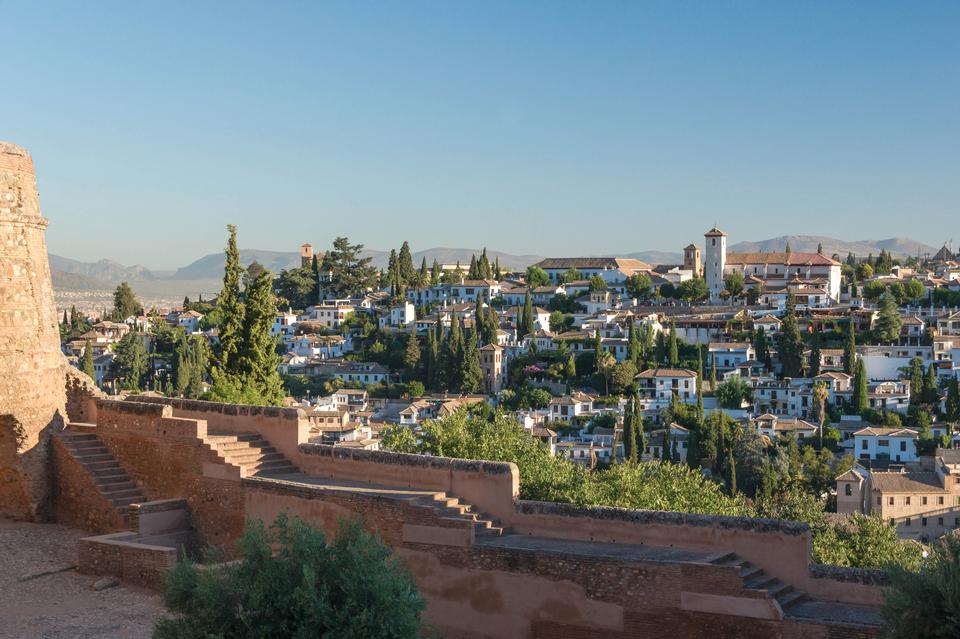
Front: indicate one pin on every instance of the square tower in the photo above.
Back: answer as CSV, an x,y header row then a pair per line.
x,y
306,255
691,260
715,254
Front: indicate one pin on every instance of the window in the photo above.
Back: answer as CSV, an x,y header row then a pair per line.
x,y
883,442
923,521
903,446
940,501
878,500
863,444
848,490
907,500
907,522
939,521
890,501
923,500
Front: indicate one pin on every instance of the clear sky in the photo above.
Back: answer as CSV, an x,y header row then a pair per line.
x,y
531,127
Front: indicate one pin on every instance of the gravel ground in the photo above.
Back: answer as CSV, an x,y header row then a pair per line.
x,y
63,604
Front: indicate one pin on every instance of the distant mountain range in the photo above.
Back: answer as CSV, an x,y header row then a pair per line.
x,y
896,246
71,274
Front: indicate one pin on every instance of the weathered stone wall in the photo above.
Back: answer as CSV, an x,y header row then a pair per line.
x,y
31,365
82,396
76,500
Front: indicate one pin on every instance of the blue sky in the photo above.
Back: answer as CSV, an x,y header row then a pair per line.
x,y
531,127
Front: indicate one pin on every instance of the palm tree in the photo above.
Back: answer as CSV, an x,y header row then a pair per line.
x,y
605,363
820,395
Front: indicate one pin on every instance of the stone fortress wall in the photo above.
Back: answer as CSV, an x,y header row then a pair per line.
x,y
31,365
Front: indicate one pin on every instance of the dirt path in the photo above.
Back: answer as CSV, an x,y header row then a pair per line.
x,y
63,605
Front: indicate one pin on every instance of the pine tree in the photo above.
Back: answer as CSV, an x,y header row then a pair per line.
x,y
850,349
859,401
790,345
230,306
125,303
471,376
87,365
888,323
674,346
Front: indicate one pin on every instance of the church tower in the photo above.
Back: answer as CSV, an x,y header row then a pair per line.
x,y
715,259
32,369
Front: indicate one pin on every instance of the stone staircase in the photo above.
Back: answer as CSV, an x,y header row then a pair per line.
x,y
110,479
755,578
251,453
452,509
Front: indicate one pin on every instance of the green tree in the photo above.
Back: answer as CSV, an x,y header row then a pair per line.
x,y
734,284
888,323
860,402
790,343
761,346
297,287
125,303
916,381
471,375
732,393
87,364
536,276
597,283
931,392
230,307
694,290
350,274
411,355
639,286
850,349
953,400
813,368
290,582
130,362
925,604
674,346
405,265
621,376
570,275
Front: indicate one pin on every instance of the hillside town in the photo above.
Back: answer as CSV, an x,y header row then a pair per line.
x,y
839,372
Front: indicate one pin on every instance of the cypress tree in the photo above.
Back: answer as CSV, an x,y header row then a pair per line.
x,y
87,366
199,363
483,266
850,349
258,358
633,343
699,383
860,401
790,342
660,351
931,394
953,400
639,434
434,273
230,306
761,346
473,273
814,367
423,278
411,355
405,265
493,323
181,366
674,346
528,312
916,381
497,274
66,321
888,321
471,376
453,355
731,479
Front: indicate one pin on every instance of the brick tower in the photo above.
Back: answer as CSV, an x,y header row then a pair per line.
x,y
32,394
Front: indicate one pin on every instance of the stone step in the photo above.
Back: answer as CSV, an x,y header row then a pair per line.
x,y
750,572
126,492
791,599
121,483
123,502
778,589
492,531
253,456
761,582
112,468
72,437
99,457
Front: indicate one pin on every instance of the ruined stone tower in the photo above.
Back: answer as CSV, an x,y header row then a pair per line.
x,y
31,365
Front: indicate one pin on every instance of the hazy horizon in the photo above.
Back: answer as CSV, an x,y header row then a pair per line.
x,y
531,128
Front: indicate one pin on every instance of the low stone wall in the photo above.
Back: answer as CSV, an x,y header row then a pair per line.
x,y
82,396
76,499
491,487
284,428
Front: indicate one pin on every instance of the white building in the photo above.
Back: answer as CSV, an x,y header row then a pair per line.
x,y
894,444
715,261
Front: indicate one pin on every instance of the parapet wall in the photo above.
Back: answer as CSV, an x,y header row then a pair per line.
x,y
490,486
284,428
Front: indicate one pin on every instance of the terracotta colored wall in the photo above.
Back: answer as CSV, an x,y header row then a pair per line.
x,y
76,500
164,456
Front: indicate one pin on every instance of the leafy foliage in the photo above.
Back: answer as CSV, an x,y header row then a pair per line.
x,y
290,582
